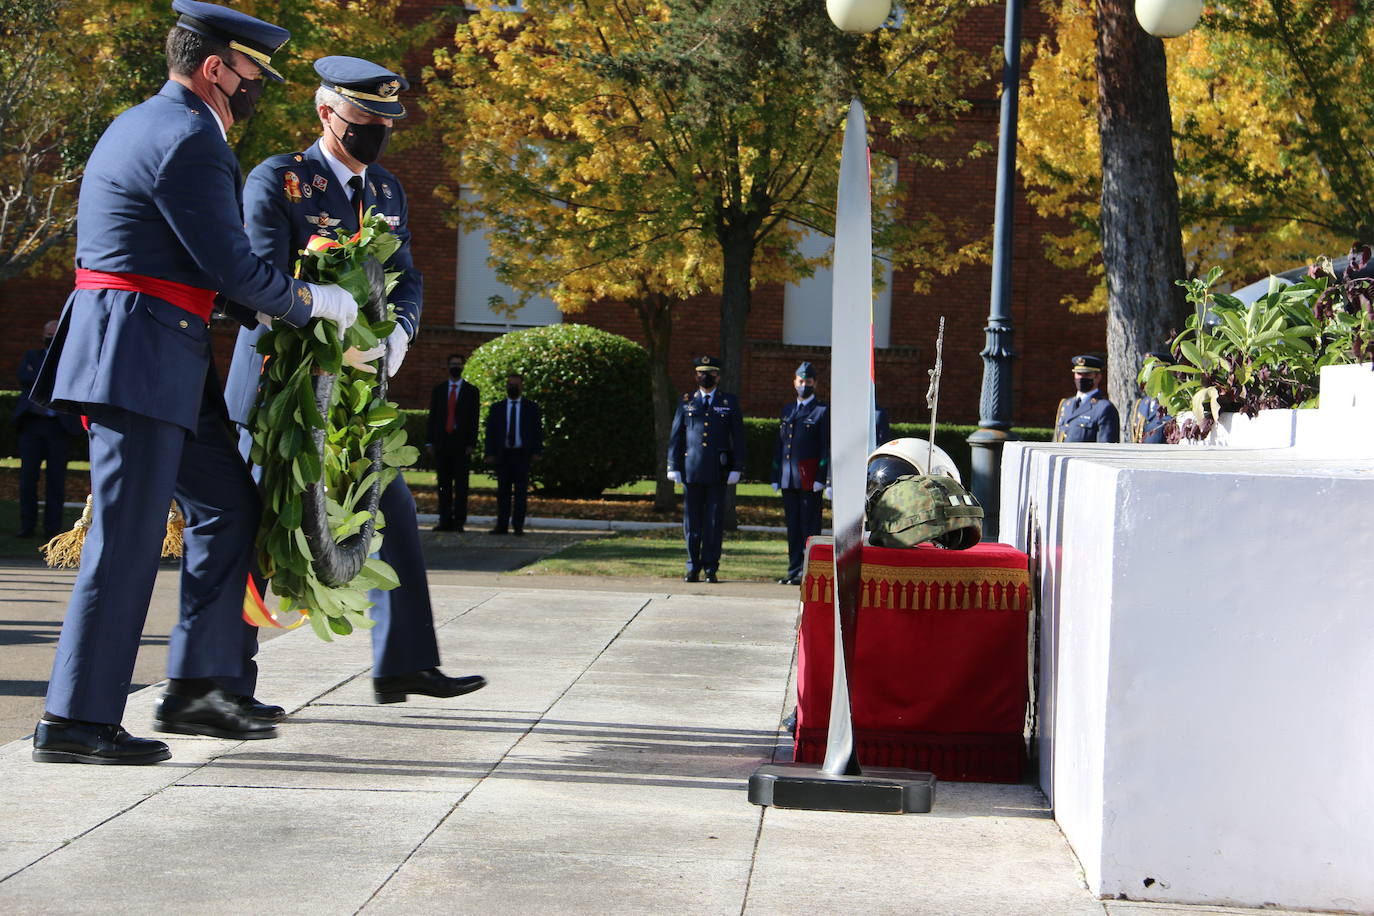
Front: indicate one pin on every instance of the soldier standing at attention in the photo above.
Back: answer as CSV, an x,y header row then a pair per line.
x,y
801,467
289,198
159,244
1088,416
1148,417
705,455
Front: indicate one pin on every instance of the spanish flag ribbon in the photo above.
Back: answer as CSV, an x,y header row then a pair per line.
x,y
255,612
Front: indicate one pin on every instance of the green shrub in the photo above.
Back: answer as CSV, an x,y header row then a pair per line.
x,y
593,390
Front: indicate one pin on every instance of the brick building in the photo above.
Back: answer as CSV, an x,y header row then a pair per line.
x,y
782,330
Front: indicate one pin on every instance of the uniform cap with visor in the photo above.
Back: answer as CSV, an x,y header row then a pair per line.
x,y
253,38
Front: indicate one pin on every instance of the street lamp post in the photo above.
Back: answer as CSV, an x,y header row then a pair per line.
x,y
994,406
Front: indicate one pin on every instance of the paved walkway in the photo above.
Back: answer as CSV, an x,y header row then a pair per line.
x,y
602,771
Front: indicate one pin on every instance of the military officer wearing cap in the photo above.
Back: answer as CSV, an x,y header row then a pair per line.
x,y
1148,416
801,467
160,244
705,455
1088,416
289,198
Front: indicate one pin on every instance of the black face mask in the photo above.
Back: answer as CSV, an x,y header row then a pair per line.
x,y
364,142
707,380
513,391
1085,383
455,371
244,100
805,392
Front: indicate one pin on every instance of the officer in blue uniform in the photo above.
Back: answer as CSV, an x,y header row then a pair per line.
x,y
288,199
1088,416
705,455
801,467
160,243
1148,417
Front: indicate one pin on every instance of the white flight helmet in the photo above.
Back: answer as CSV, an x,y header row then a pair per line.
x,y
913,451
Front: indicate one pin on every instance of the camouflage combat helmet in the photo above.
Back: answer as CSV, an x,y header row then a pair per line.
x,y
916,508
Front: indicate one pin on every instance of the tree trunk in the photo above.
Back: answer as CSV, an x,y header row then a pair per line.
x,y
656,319
1142,249
737,249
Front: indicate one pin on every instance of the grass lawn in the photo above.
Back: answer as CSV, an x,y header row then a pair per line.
x,y
747,555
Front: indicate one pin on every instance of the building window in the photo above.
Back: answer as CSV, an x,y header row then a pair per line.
x,y
806,303
479,288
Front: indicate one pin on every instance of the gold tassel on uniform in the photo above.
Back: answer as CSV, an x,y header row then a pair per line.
x,y
65,549
172,544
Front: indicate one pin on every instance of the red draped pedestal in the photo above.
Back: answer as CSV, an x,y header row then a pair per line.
x,y
939,679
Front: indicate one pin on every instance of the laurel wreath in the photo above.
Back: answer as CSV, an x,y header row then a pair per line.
x,y
328,441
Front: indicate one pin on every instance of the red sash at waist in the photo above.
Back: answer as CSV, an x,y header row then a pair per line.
x,y
199,302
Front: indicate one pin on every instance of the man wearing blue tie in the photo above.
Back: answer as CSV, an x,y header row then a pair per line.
x,y
515,437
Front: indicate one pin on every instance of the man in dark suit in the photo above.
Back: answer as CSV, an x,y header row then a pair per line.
x,y
159,243
289,198
45,436
453,410
705,455
801,467
515,437
1088,416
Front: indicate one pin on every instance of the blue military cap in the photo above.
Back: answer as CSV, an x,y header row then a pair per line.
x,y
251,37
708,364
806,370
1087,363
371,87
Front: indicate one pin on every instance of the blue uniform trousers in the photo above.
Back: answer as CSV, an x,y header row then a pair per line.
x,y
403,639
42,440
703,505
137,464
803,511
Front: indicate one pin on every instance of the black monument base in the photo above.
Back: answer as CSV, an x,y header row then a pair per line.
x,y
879,790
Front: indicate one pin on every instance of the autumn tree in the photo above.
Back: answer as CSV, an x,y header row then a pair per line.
x,y
689,143
1269,152
67,67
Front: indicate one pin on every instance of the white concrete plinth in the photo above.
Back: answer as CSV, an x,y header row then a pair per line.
x,y
1206,663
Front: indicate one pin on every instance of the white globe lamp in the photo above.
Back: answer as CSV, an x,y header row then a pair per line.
x,y
1166,18
858,15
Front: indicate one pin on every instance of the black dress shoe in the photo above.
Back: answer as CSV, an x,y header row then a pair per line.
x,y
91,742
519,532
256,710
711,576
789,580
431,682
218,714
692,576
443,526
497,531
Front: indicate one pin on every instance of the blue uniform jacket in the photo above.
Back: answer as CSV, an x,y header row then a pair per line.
x,y
1093,421
802,456
160,198
288,199
1147,421
705,446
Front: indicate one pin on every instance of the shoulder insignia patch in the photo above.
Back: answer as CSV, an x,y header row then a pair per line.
x,y
291,184
320,182
386,190
303,292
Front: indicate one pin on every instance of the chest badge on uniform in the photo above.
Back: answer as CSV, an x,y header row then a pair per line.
x,y
291,184
320,182
307,190
386,190
323,220
372,189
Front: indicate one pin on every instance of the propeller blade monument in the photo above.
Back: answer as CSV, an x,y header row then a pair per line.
x,y
839,784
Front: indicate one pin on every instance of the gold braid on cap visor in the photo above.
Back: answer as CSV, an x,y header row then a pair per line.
x,y
262,60
358,98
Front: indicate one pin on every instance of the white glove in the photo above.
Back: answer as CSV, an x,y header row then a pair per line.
x,y
359,359
817,487
827,494
777,488
334,303
265,320
732,479
397,343
675,477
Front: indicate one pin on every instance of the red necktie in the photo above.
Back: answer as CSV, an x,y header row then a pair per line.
x,y
452,408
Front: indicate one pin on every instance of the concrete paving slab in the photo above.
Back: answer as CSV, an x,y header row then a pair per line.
x,y
472,880
377,748
721,663
17,855
709,706
601,818
529,686
218,850
1125,908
